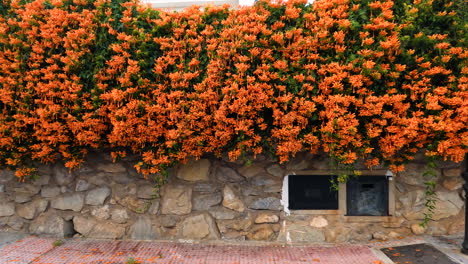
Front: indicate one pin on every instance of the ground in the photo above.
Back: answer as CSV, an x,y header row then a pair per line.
x,y
21,249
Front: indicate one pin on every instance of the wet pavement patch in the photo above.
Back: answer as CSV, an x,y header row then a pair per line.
x,y
417,254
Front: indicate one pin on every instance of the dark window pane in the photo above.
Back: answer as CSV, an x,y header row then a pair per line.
x,y
312,192
367,195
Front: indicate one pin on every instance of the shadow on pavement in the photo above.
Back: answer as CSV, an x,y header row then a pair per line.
x,y
417,254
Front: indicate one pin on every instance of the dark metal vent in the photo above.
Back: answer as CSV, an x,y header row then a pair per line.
x,y
308,192
367,195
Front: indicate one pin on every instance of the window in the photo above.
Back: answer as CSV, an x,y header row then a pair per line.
x,y
312,192
367,195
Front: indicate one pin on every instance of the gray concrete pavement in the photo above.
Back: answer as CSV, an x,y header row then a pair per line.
x,y
450,245
8,238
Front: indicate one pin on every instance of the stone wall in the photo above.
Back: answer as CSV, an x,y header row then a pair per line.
x,y
210,199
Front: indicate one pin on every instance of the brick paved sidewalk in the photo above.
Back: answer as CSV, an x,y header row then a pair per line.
x,y
41,251
34,250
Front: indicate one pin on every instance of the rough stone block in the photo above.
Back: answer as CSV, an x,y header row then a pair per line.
x,y
73,202
199,227
269,203
134,204
91,228
232,200
273,189
82,185
97,196
261,232
221,213
147,191
15,222
202,202
28,189
264,218
337,234
275,170
318,222
205,187
235,225
51,224
22,197
6,176
7,209
154,208
453,183
176,199
447,204
265,180
252,170
226,174
413,174
194,170
119,215
32,209
62,175
102,212
169,221
454,172
297,164
50,191
143,229
43,179
303,233
111,167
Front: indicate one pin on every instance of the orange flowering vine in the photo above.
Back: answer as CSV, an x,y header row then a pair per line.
x,y
358,79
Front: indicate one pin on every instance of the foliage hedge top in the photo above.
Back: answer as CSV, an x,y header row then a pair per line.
x,y
377,80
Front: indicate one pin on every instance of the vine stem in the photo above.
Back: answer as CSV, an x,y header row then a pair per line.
x,y
431,196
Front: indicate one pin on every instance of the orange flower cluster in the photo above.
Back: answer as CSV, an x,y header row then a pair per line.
x,y
351,78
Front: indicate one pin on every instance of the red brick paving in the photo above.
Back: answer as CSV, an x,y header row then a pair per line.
x,y
34,250
25,251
